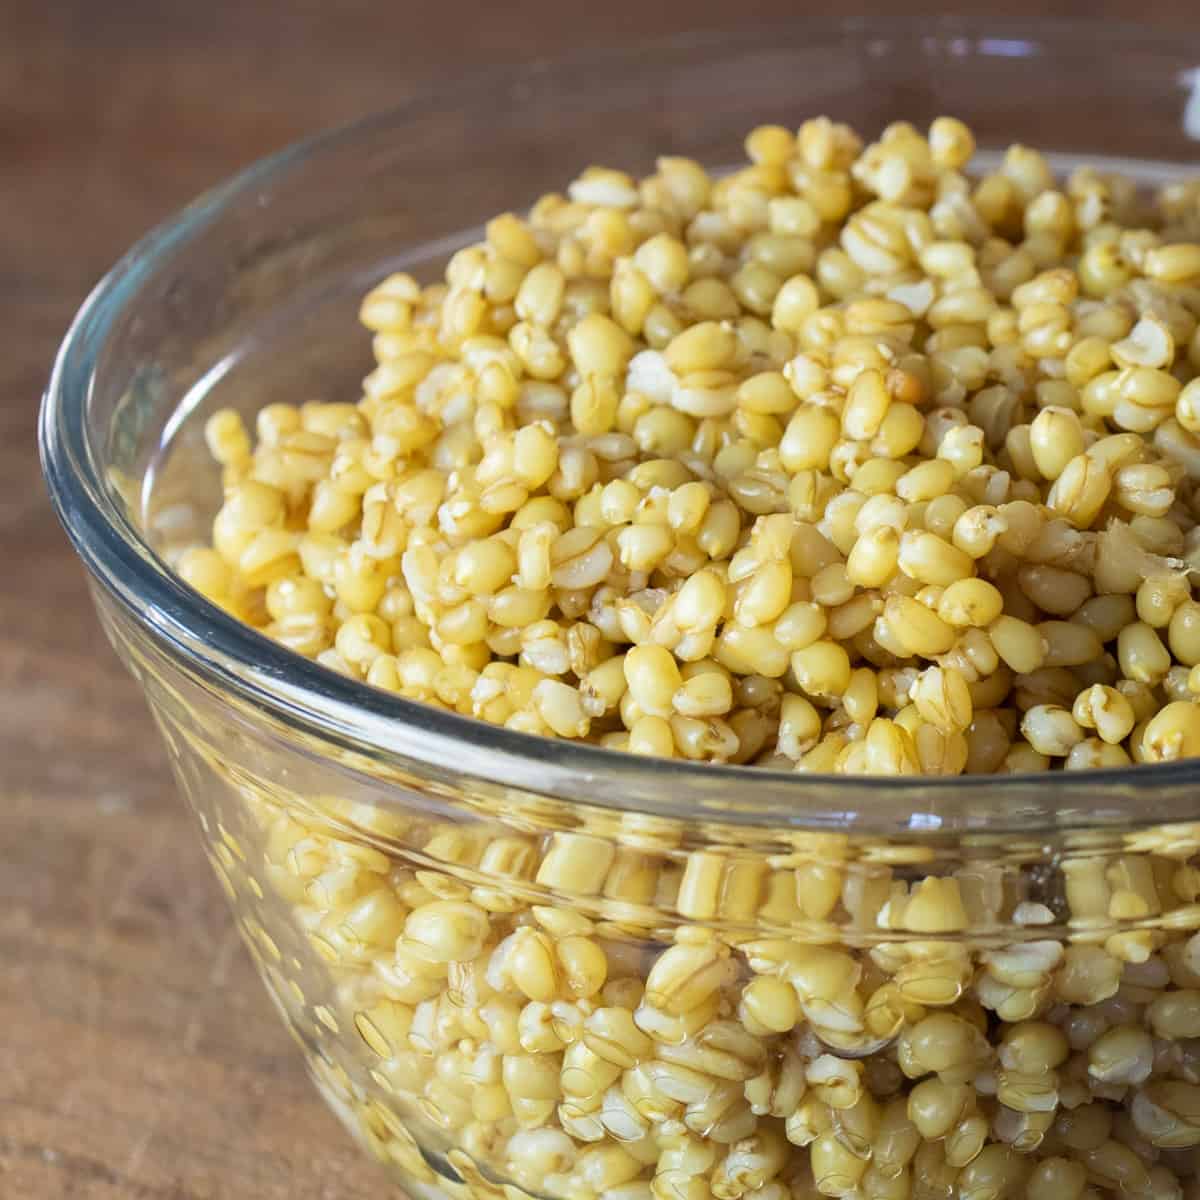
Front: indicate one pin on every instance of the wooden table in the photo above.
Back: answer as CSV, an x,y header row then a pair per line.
x,y
139,1057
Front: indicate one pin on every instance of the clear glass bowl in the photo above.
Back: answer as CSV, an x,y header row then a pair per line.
x,y
541,891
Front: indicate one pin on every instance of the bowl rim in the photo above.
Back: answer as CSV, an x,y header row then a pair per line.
x,y
375,726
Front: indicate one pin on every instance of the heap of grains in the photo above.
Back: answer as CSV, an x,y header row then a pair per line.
x,y
846,461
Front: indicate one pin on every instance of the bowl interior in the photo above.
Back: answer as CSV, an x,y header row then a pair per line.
x,y
251,295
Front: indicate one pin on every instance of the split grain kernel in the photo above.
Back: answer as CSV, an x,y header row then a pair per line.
x,y
1080,490
1051,730
889,749
1172,733
1105,710
799,726
943,699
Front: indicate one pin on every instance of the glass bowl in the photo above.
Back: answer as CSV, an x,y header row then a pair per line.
x,y
518,966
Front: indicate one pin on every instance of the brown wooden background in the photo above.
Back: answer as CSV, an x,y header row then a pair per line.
x,y
138,1055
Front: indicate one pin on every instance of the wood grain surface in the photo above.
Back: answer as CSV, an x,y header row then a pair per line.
x,y
139,1057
